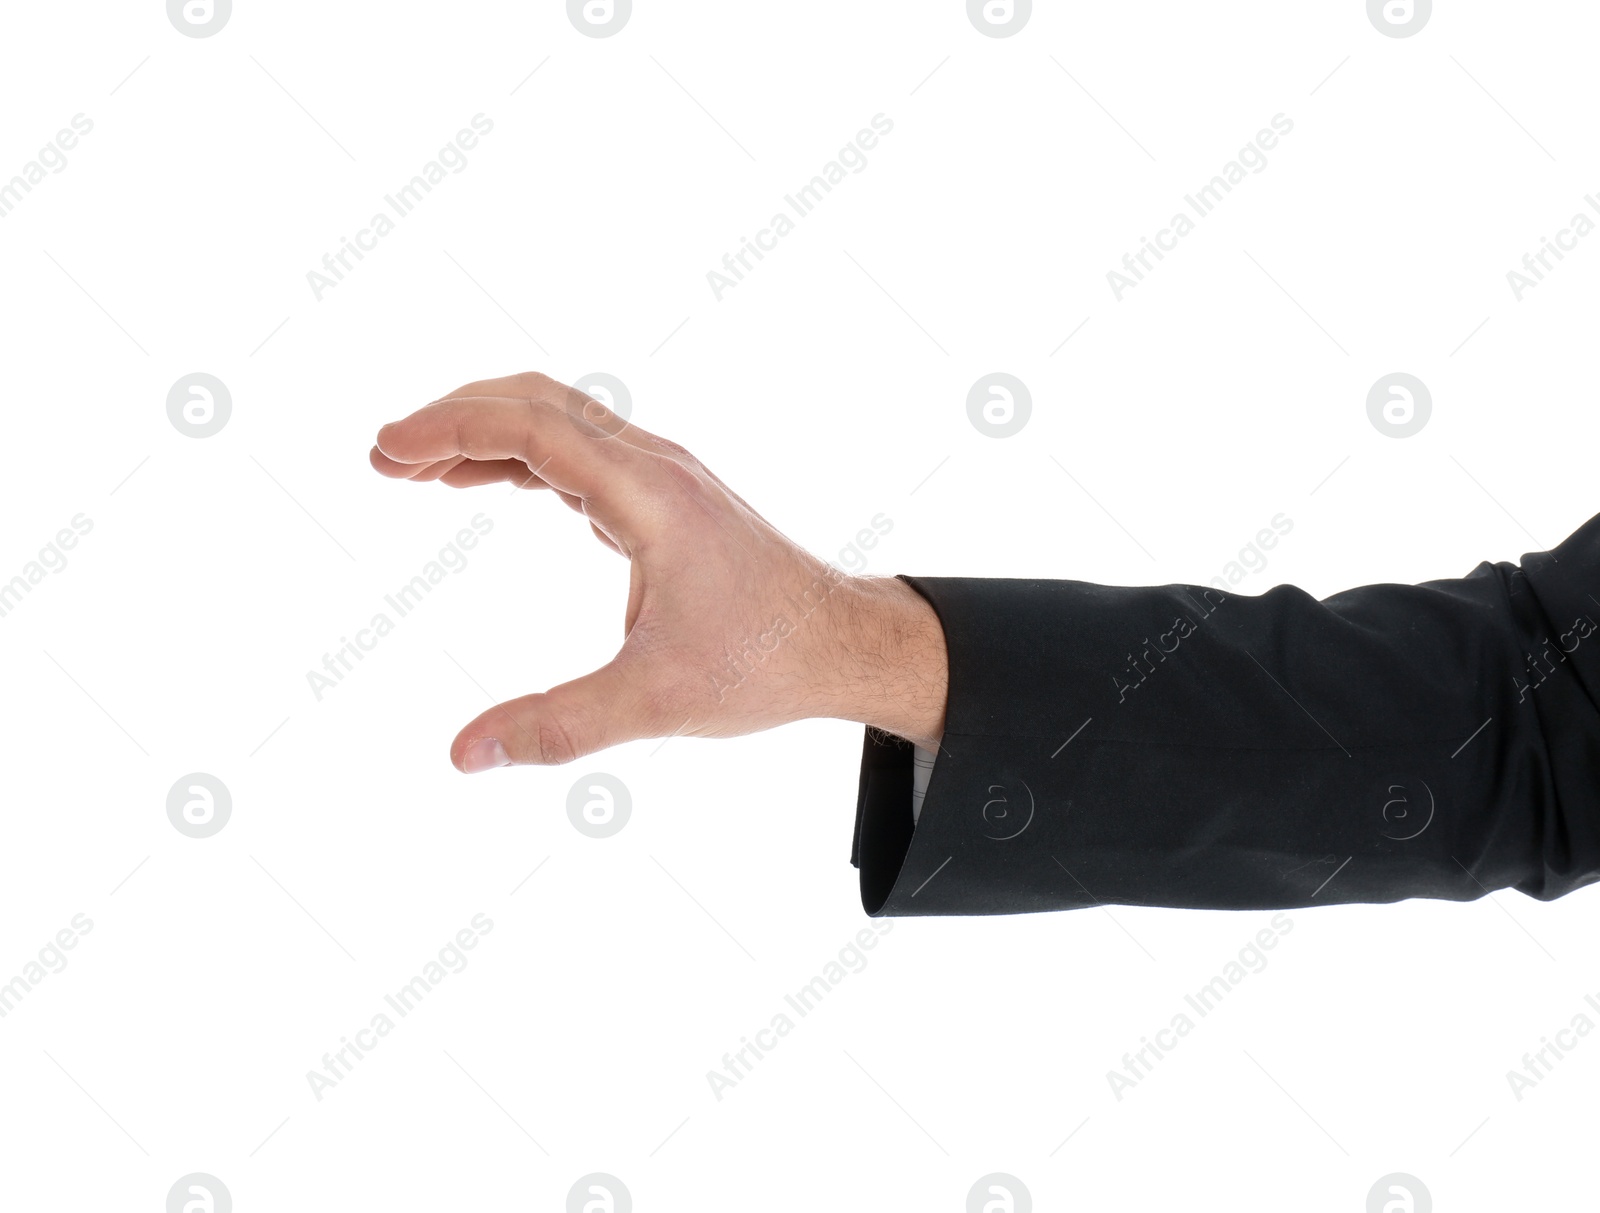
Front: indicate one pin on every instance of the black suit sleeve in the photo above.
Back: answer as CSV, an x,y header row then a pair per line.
x,y
1182,746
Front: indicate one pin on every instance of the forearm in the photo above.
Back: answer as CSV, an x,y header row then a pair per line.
x,y
1172,745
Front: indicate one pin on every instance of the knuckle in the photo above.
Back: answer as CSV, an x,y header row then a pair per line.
x,y
685,474
676,450
556,742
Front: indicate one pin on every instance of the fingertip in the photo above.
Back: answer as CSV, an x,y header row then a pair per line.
x,y
385,466
458,748
386,435
484,754
476,748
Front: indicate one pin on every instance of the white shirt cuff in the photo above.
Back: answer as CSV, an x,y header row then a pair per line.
x,y
922,770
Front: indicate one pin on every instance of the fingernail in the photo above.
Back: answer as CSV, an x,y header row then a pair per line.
x,y
483,754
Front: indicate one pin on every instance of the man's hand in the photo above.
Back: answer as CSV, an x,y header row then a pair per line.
x,y
730,628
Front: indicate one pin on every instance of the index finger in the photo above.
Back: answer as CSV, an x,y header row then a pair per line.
x,y
532,429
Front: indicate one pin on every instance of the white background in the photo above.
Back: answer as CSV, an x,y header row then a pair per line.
x,y
830,386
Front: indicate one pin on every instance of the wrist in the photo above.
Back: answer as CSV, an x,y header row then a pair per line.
x,y
893,667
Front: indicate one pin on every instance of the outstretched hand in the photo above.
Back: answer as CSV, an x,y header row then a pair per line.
x,y
729,628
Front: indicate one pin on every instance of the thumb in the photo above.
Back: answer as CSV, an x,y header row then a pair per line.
x,y
556,726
